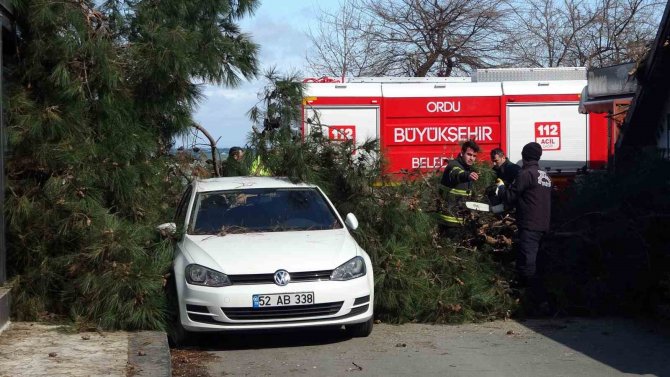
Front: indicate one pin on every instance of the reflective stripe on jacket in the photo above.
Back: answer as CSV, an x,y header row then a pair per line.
x,y
455,187
258,168
450,220
457,175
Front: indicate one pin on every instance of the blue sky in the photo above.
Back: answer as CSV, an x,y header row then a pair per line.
x,y
279,27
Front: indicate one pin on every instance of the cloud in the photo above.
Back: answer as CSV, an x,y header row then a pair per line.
x,y
281,44
213,92
224,112
279,27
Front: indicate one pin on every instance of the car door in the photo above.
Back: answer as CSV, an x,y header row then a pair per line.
x,y
182,209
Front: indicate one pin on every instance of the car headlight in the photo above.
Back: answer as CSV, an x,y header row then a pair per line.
x,y
199,275
352,269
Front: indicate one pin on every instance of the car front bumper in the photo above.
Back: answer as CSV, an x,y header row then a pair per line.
x,y
230,308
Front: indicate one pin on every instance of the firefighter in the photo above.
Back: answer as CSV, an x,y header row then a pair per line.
x,y
505,169
531,195
235,165
456,183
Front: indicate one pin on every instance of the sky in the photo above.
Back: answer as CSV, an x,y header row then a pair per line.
x,y
280,28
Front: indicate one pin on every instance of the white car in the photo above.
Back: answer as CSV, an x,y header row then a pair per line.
x,y
265,253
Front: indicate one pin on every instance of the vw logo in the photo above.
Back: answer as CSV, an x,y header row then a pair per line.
x,y
282,277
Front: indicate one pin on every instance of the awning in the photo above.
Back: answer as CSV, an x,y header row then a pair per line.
x,y
606,85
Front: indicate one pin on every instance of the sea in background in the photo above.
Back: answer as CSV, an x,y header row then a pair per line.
x,y
197,152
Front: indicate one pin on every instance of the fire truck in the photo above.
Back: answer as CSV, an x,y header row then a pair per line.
x,y
420,122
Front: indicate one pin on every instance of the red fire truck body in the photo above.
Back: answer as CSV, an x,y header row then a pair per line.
x,y
420,122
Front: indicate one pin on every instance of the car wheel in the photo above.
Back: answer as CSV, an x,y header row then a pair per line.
x,y
360,330
177,335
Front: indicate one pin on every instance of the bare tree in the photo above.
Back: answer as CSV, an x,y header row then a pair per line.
x,y
341,44
409,37
551,33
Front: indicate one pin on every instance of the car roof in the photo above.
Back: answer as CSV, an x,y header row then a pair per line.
x,y
234,183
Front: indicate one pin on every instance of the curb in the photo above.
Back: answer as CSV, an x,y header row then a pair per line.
x,y
4,308
148,354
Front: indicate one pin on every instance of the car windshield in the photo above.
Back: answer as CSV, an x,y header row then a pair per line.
x,y
261,210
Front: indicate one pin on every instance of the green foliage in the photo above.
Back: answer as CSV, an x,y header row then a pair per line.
x,y
609,251
277,102
420,274
95,97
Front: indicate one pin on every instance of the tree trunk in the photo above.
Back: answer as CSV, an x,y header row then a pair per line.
x,y
212,143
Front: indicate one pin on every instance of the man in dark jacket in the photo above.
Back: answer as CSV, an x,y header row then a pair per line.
x,y
457,183
235,165
505,169
531,195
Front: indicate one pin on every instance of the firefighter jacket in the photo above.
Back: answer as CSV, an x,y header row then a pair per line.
x,y
531,195
234,168
456,187
258,169
507,172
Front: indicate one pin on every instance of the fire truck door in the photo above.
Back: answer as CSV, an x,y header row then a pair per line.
x,y
559,128
359,123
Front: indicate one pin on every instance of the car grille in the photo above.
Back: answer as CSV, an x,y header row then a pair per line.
x,y
296,277
283,312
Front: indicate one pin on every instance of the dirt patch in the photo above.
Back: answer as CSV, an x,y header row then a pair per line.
x,y
131,370
39,350
190,363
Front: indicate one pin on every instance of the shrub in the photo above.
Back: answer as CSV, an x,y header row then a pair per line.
x,y
608,252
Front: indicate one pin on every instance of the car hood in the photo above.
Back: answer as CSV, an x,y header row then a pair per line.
x,y
262,253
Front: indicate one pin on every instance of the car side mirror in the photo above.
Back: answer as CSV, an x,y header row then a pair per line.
x,y
167,229
351,221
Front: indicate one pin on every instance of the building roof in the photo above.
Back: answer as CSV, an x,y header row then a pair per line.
x,y
607,85
642,123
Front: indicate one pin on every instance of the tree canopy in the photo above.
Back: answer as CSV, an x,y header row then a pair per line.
x,y
97,92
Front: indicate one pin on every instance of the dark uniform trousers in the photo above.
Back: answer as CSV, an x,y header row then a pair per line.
x,y
528,262
528,246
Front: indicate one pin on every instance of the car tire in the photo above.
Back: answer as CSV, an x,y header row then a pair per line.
x,y
360,330
177,335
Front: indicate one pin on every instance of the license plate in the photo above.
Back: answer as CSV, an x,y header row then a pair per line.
x,y
283,299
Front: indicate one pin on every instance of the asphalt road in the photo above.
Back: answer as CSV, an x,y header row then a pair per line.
x,y
559,347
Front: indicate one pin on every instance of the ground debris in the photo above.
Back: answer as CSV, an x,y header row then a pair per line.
x,y
190,363
355,368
